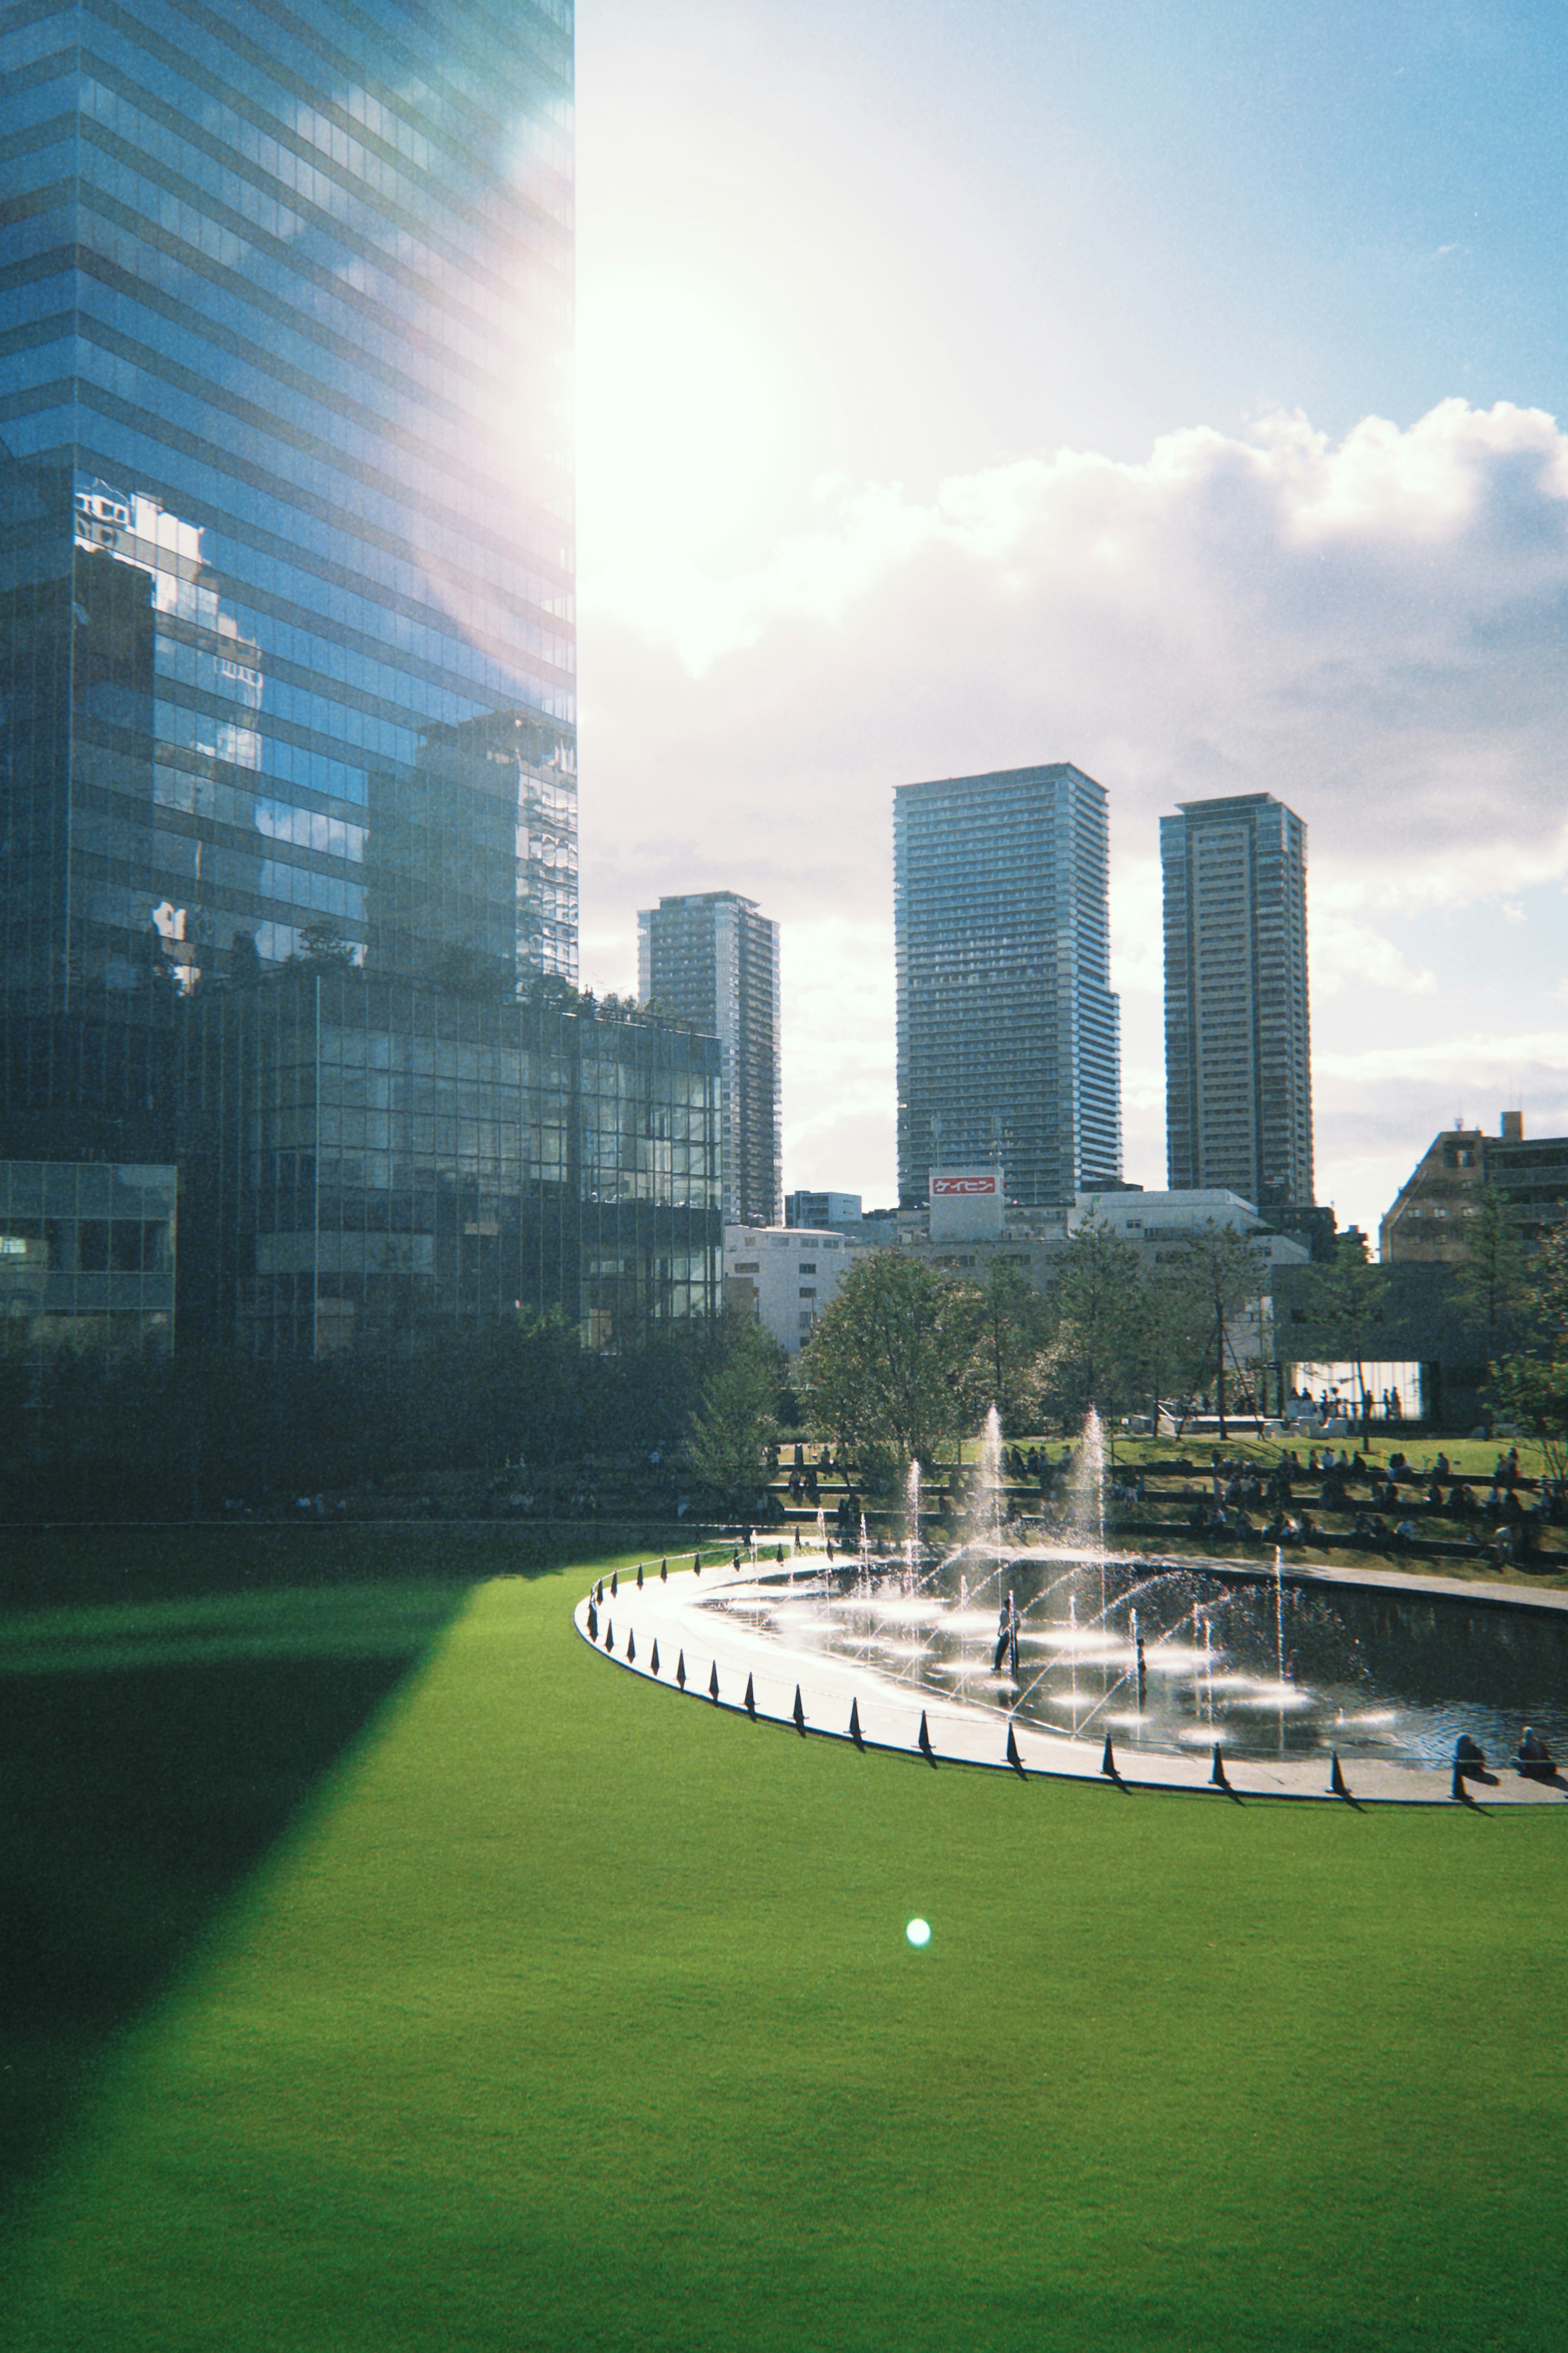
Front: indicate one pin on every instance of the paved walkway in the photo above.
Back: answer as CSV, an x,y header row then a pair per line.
x,y
663,1627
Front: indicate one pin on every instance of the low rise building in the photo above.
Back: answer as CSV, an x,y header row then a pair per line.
x,y
1428,1223
784,1275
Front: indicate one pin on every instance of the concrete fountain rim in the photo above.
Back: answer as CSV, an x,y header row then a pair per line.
x,y
889,1721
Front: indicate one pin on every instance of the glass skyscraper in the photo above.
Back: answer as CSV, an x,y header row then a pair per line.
x,y
1008,1028
286,527
1238,1048
287,774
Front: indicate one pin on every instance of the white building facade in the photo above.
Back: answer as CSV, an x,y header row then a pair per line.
x,y
784,1275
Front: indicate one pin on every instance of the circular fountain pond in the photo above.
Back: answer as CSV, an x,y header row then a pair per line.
x,y
1076,1640
1265,1665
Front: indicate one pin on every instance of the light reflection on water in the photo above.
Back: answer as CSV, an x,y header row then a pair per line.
x,y
1368,1671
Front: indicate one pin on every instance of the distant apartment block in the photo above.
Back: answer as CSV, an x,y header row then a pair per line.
x,y
1008,1028
1427,1224
1238,1081
712,957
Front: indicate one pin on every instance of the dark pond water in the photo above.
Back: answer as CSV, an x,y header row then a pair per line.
x,y
1267,1667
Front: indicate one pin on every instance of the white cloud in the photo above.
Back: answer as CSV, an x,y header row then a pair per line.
x,y
1373,629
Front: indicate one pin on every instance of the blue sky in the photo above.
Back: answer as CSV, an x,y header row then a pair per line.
x,y
854,278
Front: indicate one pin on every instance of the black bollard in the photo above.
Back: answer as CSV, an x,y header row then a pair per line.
x,y
751,1701
1014,1758
924,1742
1216,1778
697,1564
1337,1788
632,1647
736,1562
615,1580
680,1671
593,1623
609,1633
1143,1676
854,1723
1108,1762
799,1714
664,1572
653,1663
714,1684
639,1577
599,1593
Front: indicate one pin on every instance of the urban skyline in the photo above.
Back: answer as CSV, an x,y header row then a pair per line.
x,y
1241,473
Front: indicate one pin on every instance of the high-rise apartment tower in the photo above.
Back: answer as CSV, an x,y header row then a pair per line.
x,y
1238,1078
1008,1028
286,521
713,958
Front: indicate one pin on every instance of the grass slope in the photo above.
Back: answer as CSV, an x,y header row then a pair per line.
x,y
581,2016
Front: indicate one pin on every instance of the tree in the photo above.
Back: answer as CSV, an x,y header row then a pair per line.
x,y
1097,1305
1529,1385
1222,1271
1347,1300
736,1413
1171,1344
1013,1360
1491,1283
884,1371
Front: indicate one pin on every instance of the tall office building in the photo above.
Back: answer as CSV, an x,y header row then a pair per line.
x,y
1007,1028
712,957
1238,1077
286,521
287,670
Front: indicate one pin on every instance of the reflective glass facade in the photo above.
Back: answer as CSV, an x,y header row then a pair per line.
x,y
286,586
87,1256
366,1155
1008,1032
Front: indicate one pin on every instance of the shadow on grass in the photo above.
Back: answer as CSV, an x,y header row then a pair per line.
x,y
168,1705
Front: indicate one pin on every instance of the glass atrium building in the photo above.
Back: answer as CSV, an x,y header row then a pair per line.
x,y
1008,1037
375,1155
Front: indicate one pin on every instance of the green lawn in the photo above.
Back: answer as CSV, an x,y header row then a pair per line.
x,y
552,2010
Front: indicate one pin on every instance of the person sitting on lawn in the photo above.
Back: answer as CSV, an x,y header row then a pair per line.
x,y
1533,1758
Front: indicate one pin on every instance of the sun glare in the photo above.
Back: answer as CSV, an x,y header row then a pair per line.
x,y
686,422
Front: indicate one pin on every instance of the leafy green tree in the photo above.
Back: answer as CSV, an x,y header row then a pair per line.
x,y
735,1416
1096,1306
1491,1284
1221,1273
1170,1345
1013,1361
1347,1304
1529,1386
885,1370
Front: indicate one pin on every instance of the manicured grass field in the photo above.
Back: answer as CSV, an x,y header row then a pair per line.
x,y
567,2013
